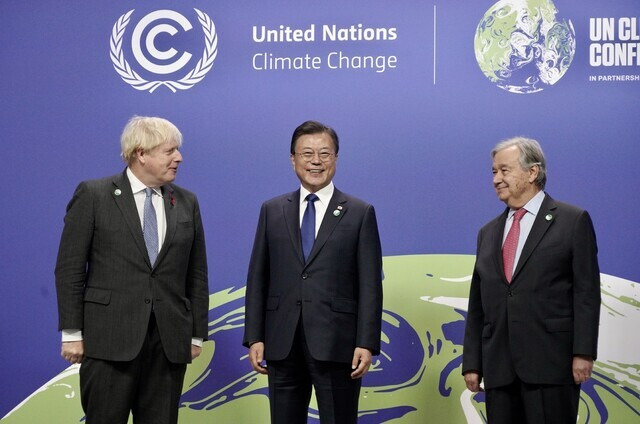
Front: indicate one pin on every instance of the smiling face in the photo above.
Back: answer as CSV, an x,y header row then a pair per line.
x,y
159,165
314,160
514,185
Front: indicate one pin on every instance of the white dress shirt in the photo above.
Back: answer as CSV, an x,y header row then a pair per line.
x,y
526,223
324,196
138,188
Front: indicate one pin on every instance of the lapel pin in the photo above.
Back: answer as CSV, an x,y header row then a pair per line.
x,y
549,217
117,192
336,213
339,207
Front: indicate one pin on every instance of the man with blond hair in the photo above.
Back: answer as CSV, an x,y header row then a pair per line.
x,y
131,280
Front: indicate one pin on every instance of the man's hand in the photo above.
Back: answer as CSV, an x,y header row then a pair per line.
x,y
72,351
195,351
360,362
582,367
472,379
256,357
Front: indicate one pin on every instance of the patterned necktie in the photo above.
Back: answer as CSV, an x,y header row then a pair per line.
x,y
308,227
150,227
511,244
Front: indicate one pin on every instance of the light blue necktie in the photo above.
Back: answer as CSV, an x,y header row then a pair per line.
x,y
150,227
308,227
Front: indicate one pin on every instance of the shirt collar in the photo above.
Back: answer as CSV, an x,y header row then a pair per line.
x,y
137,185
532,206
324,194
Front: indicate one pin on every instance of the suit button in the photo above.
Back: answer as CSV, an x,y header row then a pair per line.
x,y
509,293
147,301
305,276
298,303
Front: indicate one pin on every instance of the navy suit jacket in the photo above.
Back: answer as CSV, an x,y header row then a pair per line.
x,y
550,312
106,285
337,293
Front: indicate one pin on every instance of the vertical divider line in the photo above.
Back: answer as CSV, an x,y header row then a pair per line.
x,y
434,44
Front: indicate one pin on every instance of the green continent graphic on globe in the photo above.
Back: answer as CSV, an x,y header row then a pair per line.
x,y
521,47
417,377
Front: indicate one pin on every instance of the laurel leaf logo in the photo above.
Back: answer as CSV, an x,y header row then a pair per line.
x,y
131,77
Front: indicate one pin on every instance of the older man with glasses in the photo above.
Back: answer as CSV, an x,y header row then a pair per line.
x,y
314,288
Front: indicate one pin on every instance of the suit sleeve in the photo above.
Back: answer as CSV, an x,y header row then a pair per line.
x,y
472,350
198,280
73,255
586,288
370,284
257,284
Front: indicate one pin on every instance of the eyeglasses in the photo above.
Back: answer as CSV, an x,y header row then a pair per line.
x,y
308,155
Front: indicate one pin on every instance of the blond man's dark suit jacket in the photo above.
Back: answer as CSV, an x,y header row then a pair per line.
x,y
532,327
337,293
106,285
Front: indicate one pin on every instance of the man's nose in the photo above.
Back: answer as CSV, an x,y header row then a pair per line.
x,y
316,159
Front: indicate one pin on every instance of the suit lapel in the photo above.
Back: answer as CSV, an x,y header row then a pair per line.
x,y
291,211
170,212
123,197
497,247
540,227
329,222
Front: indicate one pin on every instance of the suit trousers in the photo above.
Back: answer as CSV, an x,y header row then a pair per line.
x,y
291,380
149,386
520,402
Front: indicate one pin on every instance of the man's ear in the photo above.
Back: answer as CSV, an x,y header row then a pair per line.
x,y
534,171
140,156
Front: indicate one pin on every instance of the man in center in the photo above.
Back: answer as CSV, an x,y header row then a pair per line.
x,y
314,289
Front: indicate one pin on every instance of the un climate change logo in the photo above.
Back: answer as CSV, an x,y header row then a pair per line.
x,y
144,41
521,47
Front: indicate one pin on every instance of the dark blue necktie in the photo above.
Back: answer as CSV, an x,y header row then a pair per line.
x,y
308,228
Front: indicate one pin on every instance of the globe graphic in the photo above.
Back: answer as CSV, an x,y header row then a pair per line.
x,y
521,46
415,380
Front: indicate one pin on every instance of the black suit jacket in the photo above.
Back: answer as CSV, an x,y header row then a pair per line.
x,y
550,312
106,285
338,292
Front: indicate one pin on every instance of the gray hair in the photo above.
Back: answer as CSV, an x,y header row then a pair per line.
x,y
530,155
146,133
